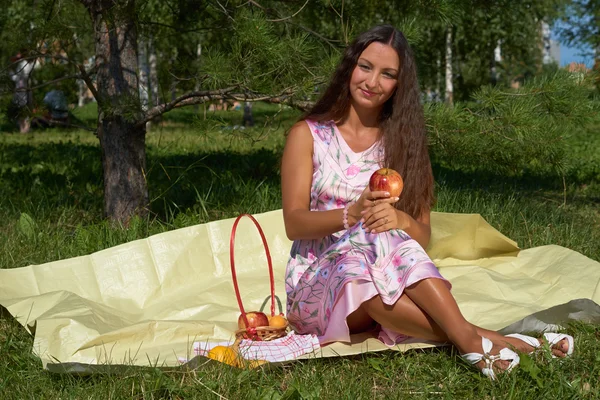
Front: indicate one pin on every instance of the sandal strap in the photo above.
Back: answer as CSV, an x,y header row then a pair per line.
x,y
554,338
551,337
533,342
474,358
490,359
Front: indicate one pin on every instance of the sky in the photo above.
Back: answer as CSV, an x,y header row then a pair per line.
x,y
570,54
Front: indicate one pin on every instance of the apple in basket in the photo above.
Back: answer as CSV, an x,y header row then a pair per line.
x,y
386,180
255,320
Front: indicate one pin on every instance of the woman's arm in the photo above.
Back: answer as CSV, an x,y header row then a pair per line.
x,y
419,229
296,182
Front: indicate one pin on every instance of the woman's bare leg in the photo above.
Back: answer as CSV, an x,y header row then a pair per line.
x,y
435,299
406,317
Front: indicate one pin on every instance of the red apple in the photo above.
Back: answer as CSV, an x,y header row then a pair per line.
x,y
255,319
386,180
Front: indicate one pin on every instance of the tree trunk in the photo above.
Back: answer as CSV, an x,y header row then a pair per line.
x,y
197,85
154,100
144,78
449,86
545,44
81,92
144,74
124,164
438,77
497,58
173,85
123,145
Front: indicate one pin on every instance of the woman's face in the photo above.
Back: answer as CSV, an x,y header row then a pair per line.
x,y
375,76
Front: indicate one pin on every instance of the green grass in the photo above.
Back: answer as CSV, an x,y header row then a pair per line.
x,y
200,170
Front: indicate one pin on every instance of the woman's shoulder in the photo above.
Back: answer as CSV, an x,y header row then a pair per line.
x,y
300,129
300,136
322,131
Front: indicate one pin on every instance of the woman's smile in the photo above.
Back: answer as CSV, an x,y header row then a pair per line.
x,y
368,93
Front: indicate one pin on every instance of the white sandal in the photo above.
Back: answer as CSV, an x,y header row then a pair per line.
x,y
551,337
488,370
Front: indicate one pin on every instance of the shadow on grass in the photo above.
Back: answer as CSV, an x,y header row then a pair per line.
x,y
71,173
54,174
530,185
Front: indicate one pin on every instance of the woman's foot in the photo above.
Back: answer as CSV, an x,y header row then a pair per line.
x,y
561,345
560,348
490,358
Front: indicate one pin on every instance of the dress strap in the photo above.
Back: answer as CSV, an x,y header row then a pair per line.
x,y
322,132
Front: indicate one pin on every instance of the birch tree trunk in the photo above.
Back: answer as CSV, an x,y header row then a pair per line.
x,y
82,87
496,58
438,77
144,74
144,78
154,100
197,85
449,86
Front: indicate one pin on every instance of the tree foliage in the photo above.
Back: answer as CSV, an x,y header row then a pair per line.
x,y
283,51
513,131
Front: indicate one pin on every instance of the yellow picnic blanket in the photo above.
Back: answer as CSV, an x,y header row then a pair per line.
x,y
146,302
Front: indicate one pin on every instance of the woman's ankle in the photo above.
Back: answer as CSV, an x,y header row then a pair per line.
x,y
465,338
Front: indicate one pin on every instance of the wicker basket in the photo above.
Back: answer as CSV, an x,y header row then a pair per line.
x,y
264,333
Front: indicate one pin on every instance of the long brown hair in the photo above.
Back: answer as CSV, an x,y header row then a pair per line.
x,y
402,125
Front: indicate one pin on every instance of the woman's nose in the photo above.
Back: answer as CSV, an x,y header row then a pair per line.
x,y
371,81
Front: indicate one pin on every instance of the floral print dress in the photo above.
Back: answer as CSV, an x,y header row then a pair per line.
x,y
327,279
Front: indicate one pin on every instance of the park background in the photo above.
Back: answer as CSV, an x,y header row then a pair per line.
x,y
513,136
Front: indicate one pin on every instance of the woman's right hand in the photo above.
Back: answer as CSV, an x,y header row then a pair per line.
x,y
367,200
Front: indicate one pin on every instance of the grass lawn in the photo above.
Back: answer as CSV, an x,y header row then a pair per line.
x,y
200,169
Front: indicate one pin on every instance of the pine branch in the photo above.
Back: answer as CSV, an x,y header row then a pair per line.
x,y
302,105
201,97
88,82
281,19
180,30
185,100
71,125
335,44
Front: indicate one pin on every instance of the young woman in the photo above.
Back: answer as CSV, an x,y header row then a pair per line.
x,y
358,258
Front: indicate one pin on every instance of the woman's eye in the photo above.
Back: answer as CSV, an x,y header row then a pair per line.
x,y
363,66
389,75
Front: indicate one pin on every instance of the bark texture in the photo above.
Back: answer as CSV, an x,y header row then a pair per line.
x,y
122,140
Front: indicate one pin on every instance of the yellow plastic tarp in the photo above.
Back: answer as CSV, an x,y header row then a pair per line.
x,y
147,301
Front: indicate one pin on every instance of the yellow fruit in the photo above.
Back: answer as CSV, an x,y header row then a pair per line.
x,y
278,321
224,354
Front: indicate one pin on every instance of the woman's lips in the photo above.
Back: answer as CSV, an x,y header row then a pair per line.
x,y
367,93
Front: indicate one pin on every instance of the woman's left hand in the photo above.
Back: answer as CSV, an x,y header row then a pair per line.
x,y
382,217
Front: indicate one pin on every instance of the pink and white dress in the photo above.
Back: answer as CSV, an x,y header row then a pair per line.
x,y
327,279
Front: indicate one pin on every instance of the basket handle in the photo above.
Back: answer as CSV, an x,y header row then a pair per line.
x,y
262,307
232,262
